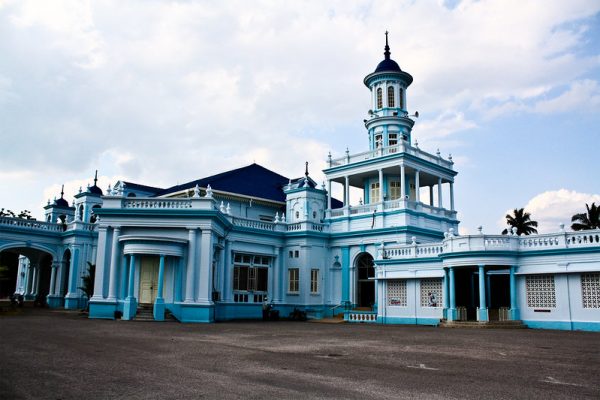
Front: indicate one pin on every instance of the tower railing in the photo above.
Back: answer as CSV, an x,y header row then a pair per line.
x,y
402,147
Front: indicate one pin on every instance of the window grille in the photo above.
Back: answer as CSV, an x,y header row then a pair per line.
x,y
431,293
590,290
541,291
396,293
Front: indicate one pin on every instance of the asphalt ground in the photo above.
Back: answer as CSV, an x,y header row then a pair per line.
x,y
60,355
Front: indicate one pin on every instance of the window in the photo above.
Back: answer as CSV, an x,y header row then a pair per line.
x,y
314,215
540,291
390,96
297,214
395,190
378,140
392,139
291,254
379,98
374,192
296,254
250,274
396,293
590,290
293,280
401,95
431,293
314,281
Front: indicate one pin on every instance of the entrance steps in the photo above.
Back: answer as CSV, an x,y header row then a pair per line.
x,y
145,312
483,325
337,319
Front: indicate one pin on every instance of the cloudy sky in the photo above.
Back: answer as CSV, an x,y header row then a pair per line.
x,y
163,92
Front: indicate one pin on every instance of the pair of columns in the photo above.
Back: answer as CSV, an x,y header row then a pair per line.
x,y
130,303
402,189
482,311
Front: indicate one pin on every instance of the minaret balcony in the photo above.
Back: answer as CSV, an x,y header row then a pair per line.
x,y
393,205
403,148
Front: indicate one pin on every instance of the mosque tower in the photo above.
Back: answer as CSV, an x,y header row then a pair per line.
x,y
388,121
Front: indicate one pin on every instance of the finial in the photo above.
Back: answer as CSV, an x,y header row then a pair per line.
x,y
196,191
80,189
438,153
480,229
209,192
450,157
95,177
62,191
306,170
387,47
416,143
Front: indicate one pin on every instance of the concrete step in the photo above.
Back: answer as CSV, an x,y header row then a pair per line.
x,y
483,325
333,320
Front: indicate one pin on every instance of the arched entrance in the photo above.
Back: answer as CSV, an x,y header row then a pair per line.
x,y
32,276
9,266
365,284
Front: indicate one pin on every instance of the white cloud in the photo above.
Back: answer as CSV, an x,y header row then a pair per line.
x,y
581,96
554,207
165,92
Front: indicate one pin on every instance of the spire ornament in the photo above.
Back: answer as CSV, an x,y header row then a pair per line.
x,y
386,53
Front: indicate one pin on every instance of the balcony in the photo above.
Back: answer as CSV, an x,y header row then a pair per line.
x,y
512,243
402,147
392,205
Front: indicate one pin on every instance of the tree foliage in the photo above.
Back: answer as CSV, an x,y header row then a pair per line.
x,y
25,214
522,221
587,220
88,282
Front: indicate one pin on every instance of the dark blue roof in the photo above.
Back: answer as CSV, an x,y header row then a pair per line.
x,y
61,203
253,180
95,190
388,65
143,188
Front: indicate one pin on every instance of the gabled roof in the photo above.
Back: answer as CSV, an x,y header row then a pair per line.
x,y
253,180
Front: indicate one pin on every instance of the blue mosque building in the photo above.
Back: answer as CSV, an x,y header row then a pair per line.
x,y
220,247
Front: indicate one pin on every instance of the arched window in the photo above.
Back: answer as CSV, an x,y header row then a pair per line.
x,y
391,96
80,212
379,98
401,96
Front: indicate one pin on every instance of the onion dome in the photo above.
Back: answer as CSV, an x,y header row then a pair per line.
x,y
387,64
61,202
95,189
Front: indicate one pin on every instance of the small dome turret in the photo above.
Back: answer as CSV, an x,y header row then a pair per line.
x,y
61,202
95,189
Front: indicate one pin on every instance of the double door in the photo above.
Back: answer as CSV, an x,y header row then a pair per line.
x,y
148,279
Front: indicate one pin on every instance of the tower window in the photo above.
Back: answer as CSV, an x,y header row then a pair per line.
x,y
394,190
378,141
392,139
401,96
379,98
391,96
374,192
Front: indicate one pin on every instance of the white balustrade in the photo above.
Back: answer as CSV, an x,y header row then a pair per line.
x,y
252,223
158,203
365,316
31,224
402,147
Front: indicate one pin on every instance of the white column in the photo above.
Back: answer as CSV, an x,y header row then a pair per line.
x,y
417,184
191,266
36,280
206,268
100,263
227,271
402,182
431,195
54,267
114,264
29,280
329,194
347,191
452,196
440,202
380,185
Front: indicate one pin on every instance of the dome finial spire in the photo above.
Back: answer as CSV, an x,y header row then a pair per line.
x,y
62,191
387,47
96,178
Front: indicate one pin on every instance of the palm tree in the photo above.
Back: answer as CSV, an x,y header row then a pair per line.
x,y
522,221
589,220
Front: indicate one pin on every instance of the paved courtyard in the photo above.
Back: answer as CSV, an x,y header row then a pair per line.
x,y
59,355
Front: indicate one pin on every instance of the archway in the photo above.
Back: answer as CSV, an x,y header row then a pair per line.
x,y
9,266
365,284
33,281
